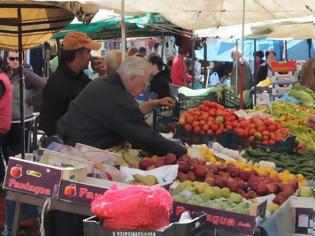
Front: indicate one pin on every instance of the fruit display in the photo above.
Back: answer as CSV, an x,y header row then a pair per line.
x,y
265,83
144,179
307,192
297,163
201,194
243,178
213,119
130,157
293,117
202,152
304,95
149,163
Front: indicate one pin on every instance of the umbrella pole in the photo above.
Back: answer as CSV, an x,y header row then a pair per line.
x,y
21,82
193,61
242,73
255,70
205,64
123,30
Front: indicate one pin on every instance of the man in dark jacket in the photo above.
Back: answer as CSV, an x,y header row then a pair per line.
x,y
68,80
106,114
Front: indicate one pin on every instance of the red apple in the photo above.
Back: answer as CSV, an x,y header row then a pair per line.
x,y
201,171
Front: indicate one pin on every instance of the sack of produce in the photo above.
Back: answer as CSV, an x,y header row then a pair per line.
x,y
134,207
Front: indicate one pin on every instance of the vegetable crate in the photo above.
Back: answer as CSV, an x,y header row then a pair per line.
x,y
165,118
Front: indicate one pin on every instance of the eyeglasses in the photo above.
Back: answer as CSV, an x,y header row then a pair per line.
x,y
14,58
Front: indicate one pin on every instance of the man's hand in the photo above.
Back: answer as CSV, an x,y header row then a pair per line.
x,y
167,101
100,66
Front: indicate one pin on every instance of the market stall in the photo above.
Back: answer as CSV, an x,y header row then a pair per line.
x,y
243,169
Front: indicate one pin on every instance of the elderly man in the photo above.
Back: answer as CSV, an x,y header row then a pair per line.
x,y
68,80
106,114
247,81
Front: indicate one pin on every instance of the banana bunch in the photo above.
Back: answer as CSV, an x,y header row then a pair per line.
x,y
265,83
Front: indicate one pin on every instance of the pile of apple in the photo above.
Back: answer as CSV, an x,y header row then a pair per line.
x,y
212,118
155,162
249,184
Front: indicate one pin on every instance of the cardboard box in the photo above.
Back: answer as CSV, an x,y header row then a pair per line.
x,y
84,190
38,178
92,227
303,214
226,220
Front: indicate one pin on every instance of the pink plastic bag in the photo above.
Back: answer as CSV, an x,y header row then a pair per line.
x,y
134,207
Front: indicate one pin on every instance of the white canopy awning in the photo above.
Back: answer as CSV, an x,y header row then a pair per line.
x,y
296,28
201,14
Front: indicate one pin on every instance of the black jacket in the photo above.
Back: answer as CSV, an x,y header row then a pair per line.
x,y
160,84
105,115
261,73
62,87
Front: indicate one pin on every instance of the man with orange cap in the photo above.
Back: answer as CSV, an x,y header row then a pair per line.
x,y
69,79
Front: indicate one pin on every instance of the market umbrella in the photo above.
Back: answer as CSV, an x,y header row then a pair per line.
x,y
26,25
200,14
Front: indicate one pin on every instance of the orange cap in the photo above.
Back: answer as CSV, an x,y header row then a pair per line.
x,y
76,40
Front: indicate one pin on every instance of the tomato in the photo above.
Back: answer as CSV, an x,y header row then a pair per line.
x,y
210,132
252,125
251,138
188,127
219,112
235,124
204,108
244,124
195,123
279,138
265,133
272,136
272,128
197,129
265,138
214,127
266,142
189,119
259,123
219,131
261,129
212,113
209,123
182,120
268,122
202,123
271,142
252,131
205,116
205,127
229,127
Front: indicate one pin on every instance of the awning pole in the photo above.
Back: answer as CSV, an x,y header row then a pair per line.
x,y
123,30
21,82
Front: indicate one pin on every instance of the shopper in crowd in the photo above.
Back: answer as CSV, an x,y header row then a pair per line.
x,y
142,52
264,69
240,64
113,60
308,74
179,71
160,83
5,111
69,79
105,114
33,89
259,55
132,52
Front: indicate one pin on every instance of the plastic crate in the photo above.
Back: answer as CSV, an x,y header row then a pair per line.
x,y
92,227
165,118
191,102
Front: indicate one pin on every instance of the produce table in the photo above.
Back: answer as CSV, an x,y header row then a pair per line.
x,y
39,201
